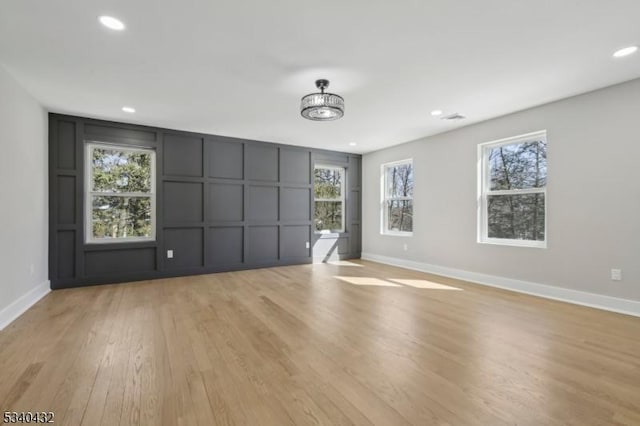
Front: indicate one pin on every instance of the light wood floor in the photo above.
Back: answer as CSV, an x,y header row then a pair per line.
x,y
358,343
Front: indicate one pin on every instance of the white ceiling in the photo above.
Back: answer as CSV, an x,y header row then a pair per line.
x,y
239,68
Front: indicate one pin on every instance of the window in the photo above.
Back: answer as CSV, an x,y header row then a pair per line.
x,y
397,198
328,191
120,194
513,191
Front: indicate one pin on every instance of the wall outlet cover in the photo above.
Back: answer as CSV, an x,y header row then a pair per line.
x,y
616,275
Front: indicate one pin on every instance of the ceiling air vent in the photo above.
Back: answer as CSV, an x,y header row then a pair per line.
x,y
453,117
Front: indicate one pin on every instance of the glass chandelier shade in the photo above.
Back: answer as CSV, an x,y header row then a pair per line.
x,y
322,106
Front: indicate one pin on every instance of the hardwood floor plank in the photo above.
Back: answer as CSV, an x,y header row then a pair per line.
x,y
350,344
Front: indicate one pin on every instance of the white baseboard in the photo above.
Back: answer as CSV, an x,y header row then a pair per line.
x,y
607,303
19,306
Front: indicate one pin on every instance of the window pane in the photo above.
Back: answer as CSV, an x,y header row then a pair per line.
x,y
328,183
328,215
400,216
121,171
121,217
518,166
399,181
516,217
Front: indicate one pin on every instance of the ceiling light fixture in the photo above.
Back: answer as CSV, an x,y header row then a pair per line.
x,y
111,23
625,51
128,109
352,144
436,112
322,106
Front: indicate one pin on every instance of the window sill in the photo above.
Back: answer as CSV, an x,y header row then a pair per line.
x,y
514,243
397,234
116,241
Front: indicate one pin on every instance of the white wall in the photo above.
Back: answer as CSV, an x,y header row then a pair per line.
x,y
593,196
23,195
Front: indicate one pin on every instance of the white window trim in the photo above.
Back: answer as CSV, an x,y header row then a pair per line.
x,y
484,192
383,199
89,193
342,199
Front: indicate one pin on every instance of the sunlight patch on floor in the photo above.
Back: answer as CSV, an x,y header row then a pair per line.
x,y
368,281
396,282
424,284
343,263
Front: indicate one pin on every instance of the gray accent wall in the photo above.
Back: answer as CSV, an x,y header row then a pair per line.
x,y
222,204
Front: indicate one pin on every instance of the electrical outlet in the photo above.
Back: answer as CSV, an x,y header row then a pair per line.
x,y
616,275
32,269
306,244
406,247
169,254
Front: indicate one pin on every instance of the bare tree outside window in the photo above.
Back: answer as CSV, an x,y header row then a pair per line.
x,y
514,190
120,196
328,190
398,197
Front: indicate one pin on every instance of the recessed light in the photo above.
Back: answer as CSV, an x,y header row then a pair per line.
x,y
436,112
111,23
352,144
625,51
128,109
